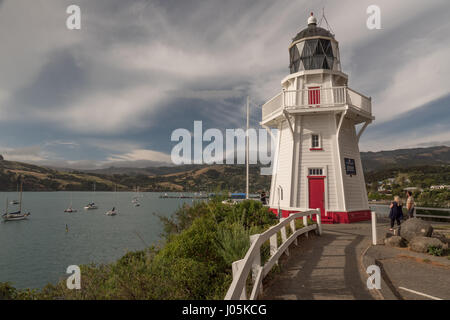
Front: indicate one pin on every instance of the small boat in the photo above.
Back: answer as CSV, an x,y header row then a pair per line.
x,y
135,200
70,209
91,205
14,216
18,215
111,212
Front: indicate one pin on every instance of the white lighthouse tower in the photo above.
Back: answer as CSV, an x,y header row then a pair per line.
x,y
320,120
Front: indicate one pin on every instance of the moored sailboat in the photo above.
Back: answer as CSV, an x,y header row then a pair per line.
x,y
70,209
91,205
17,215
113,211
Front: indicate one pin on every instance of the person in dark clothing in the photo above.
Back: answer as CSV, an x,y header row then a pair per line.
x,y
263,198
396,212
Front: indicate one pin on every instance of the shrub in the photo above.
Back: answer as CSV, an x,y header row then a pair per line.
x,y
435,251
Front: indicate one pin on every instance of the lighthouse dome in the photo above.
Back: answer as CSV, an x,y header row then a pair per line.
x,y
313,31
314,48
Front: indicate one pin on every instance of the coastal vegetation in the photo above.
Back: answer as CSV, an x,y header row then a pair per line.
x,y
384,184
193,261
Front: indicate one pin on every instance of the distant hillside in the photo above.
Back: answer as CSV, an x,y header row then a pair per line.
x,y
36,178
180,178
402,158
194,177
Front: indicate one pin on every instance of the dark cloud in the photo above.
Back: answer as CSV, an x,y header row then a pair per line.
x,y
409,128
139,69
59,81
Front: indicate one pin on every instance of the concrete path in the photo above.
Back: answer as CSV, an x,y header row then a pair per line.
x,y
411,276
328,267
333,265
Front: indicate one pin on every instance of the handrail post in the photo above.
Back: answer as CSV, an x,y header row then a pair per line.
x,y
274,245
292,225
305,224
235,266
284,236
319,221
256,265
374,228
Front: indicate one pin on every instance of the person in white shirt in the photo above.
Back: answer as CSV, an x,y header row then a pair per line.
x,y
410,205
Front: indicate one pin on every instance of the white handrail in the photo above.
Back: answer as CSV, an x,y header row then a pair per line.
x,y
252,260
323,97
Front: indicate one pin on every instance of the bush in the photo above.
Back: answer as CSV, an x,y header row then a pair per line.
x,y
435,251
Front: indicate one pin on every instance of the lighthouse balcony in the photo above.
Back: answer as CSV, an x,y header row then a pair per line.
x,y
313,100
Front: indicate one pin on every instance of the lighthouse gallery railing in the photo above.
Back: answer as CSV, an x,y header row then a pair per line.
x,y
252,260
313,98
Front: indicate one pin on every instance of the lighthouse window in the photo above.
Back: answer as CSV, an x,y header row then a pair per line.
x,y
315,141
316,172
316,54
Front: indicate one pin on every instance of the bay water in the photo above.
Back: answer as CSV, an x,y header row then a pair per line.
x,y
37,251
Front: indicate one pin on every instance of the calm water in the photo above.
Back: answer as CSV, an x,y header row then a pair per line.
x,y
36,251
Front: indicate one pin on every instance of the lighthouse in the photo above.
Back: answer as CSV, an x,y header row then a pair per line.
x,y
320,120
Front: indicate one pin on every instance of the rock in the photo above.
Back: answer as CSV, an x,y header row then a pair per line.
x,y
441,237
395,241
421,244
415,227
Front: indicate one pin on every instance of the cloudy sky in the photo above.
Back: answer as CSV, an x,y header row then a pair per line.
x,y
113,92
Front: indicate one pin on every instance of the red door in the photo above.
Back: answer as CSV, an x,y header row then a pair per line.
x,y
317,193
314,96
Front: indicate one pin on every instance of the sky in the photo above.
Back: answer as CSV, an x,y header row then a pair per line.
x,y
112,93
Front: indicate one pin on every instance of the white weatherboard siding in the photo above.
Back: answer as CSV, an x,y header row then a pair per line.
x,y
323,125
354,187
284,167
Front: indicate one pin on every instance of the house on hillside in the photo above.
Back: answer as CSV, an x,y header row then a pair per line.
x,y
413,189
440,187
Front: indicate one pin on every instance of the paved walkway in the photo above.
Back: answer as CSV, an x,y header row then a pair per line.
x,y
326,268
332,266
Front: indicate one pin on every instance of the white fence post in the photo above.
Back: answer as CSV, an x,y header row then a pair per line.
x,y
235,266
256,265
374,228
305,224
292,225
319,221
274,245
284,236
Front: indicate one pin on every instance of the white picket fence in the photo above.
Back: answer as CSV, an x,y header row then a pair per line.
x,y
252,260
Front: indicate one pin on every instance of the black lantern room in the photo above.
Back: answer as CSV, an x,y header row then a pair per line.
x,y
314,48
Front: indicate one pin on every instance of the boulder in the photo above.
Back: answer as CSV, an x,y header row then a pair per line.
x,y
395,241
415,227
441,237
421,244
